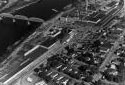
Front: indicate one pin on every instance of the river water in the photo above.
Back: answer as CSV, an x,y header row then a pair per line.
x,y
43,9
10,31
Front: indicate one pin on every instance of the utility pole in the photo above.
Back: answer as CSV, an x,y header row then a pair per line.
x,y
87,3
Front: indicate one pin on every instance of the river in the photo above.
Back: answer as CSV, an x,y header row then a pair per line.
x,y
10,31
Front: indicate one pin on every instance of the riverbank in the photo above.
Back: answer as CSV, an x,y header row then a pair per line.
x,y
14,5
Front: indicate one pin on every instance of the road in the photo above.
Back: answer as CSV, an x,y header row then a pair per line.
x,y
112,50
111,14
23,63
39,52
116,45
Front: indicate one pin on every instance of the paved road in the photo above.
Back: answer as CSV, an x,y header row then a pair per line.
x,y
109,55
23,65
104,21
32,56
29,58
